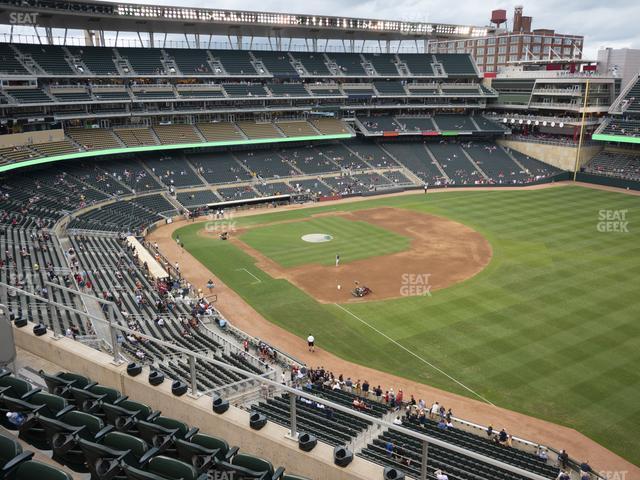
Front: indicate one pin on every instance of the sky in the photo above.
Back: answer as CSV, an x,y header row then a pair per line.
x,y
610,23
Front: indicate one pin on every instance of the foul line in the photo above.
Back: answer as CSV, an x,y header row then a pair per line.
x,y
415,355
239,269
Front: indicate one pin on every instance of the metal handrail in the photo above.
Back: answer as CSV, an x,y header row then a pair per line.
x,y
425,439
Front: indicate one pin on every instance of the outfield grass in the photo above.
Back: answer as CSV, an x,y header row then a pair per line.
x,y
352,240
550,328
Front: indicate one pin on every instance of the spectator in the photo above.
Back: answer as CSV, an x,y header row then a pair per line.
x,y
440,475
563,459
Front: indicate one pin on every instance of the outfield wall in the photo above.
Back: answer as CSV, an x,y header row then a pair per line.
x,y
608,181
563,157
270,442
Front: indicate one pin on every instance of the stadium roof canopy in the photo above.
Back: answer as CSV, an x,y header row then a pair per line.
x,y
130,17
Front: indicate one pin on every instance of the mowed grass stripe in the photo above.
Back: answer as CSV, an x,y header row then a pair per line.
x,y
550,328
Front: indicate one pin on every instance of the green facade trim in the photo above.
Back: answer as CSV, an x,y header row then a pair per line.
x,y
615,138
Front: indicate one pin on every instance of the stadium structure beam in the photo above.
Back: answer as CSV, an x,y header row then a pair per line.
x,y
112,16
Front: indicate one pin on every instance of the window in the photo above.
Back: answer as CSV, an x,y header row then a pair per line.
x,y
514,58
502,49
490,68
513,49
480,51
557,41
502,41
568,41
481,42
491,41
526,39
491,51
501,59
537,39
536,49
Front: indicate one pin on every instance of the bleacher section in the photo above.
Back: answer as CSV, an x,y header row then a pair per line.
x,y
265,164
197,197
457,65
415,158
277,63
330,126
52,59
459,466
135,137
631,101
220,131
174,171
172,134
622,127
93,138
99,60
313,62
235,62
144,61
619,164
296,128
259,130
219,168
455,164
9,63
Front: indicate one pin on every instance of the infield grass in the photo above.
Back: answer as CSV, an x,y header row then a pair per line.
x,y
550,328
352,240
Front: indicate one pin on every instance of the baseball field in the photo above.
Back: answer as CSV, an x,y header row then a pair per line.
x,y
529,299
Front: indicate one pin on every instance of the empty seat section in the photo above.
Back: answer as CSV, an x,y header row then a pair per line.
x,y
135,137
219,131
171,134
144,61
52,59
258,130
235,62
93,138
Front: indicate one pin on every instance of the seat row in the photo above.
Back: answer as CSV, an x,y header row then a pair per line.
x,y
90,428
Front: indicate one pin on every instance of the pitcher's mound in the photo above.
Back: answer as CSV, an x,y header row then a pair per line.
x,y
317,238
443,252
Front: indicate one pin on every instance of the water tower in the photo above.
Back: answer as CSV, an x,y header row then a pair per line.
x,y
498,17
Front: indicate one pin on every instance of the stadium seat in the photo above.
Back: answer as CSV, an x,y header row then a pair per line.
x,y
164,468
35,470
107,459
11,456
